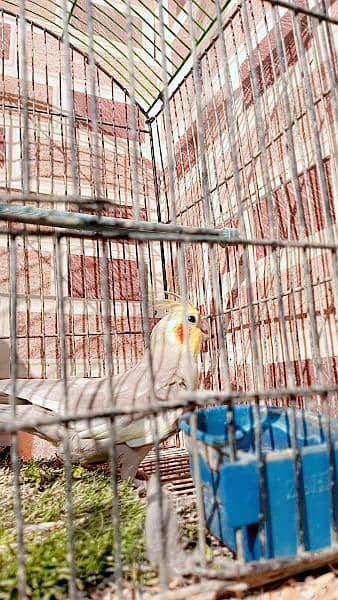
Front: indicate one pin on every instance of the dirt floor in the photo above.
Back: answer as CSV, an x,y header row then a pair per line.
x,y
312,587
319,585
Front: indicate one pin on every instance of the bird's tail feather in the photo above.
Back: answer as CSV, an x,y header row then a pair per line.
x,y
51,433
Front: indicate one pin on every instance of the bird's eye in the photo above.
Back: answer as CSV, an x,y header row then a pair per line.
x,y
192,319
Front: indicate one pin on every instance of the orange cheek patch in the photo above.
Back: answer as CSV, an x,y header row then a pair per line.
x,y
179,332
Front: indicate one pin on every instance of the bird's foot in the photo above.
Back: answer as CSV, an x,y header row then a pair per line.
x,y
140,482
141,475
140,486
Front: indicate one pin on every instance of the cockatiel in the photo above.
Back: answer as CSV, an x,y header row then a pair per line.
x,y
174,369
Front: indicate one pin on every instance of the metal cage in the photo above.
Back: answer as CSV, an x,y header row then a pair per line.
x,y
173,146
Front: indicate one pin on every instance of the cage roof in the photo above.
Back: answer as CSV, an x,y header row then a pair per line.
x,y
109,21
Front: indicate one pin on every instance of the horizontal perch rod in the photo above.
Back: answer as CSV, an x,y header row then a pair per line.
x,y
78,224
107,225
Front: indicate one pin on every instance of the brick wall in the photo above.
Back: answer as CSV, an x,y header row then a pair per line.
x,y
257,202
51,170
51,174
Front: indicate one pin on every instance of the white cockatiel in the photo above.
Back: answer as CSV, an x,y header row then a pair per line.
x,y
174,368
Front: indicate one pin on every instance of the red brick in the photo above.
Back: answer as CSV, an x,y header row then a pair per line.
x,y
267,313
242,378
267,66
25,443
35,323
126,336
83,324
303,371
113,118
131,346
125,279
38,348
77,346
114,171
191,208
193,262
96,347
5,40
50,160
123,211
85,278
274,375
37,96
185,151
93,324
28,272
285,213
31,446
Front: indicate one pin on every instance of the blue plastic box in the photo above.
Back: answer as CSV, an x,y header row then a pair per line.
x,y
231,490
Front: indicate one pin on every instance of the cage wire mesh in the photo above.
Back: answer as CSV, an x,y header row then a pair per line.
x,y
159,147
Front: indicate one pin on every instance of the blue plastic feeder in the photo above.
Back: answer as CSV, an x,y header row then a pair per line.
x,y
231,490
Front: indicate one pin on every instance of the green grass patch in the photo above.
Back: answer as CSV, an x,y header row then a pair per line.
x,y
46,546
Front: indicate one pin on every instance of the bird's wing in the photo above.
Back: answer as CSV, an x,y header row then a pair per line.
x,y
83,394
133,392
130,390
141,429
48,395
146,430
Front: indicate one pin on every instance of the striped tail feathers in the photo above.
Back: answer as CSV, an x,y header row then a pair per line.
x,y
51,433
